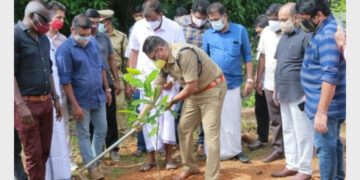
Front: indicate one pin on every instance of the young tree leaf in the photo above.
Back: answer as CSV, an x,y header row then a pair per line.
x,y
139,101
128,112
164,99
157,92
173,113
153,132
151,77
133,71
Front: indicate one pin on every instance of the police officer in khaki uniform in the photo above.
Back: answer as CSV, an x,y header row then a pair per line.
x,y
204,90
119,42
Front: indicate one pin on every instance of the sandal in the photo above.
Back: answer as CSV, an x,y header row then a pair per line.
x,y
171,165
138,153
147,167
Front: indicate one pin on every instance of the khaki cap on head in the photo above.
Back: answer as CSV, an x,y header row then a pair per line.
x,y
105,13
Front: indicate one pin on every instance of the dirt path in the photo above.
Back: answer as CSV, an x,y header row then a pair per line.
x,y
128,167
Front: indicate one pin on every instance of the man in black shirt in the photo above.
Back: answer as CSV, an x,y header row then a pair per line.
x,y
34,88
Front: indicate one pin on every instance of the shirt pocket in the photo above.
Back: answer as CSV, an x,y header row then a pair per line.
x,y
234,49
311,55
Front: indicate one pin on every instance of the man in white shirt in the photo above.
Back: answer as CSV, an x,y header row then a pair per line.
x,y
267,47
155,23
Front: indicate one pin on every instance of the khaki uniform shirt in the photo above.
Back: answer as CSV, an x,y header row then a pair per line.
x,y
189,70
119,41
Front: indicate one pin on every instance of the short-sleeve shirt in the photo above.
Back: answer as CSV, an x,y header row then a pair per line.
x,y
106,50
267,46
119,42
189,68
289,55
82,68
169,30
193,34
228,49
32,62
323,62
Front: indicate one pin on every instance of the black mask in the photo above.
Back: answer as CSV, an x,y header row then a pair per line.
x,y
308,25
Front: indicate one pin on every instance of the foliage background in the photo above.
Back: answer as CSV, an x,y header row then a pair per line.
x,y
239,11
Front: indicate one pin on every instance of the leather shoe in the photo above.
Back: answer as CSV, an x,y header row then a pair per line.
x,y
283,173
273,156
301,176
257,145
185,175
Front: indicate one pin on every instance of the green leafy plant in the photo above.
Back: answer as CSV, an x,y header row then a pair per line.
x,y
151,100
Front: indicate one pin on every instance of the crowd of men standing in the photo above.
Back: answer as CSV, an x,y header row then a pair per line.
x,y
300,87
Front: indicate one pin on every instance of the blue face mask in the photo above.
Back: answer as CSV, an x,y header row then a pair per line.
x,y
102,27
83,41
218,25
83,38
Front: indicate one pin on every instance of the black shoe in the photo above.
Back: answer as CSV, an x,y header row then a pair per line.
x,y
242,158
257,145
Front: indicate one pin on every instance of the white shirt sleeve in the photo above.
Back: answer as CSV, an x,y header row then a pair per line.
x,y
261,48
133,41
180,37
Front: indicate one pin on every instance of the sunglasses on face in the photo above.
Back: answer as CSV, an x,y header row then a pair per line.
x,y
44,19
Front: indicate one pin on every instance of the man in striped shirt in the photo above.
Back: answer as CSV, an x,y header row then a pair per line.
x,y
323,79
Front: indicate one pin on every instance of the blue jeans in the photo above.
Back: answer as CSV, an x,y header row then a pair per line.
x,y
201,135
90,150
140,136
329,149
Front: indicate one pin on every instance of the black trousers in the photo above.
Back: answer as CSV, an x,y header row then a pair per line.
x,y
262,117
18,165
112,134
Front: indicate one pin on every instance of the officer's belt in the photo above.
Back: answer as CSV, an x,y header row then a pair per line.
x,y
214,83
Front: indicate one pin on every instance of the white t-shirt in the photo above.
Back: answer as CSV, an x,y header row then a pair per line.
x,y
267,45
170,31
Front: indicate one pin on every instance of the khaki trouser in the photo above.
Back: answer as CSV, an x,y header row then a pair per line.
x,y
121,105
205,107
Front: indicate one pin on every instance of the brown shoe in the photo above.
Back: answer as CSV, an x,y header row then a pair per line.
x,y
301,176
283,173
95,173
273,157
201,150
185,175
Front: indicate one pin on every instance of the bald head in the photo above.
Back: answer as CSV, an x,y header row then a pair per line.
x,y
36,7
287,11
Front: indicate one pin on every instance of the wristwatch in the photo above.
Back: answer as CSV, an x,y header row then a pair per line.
x,y
250,80
108,90
55,97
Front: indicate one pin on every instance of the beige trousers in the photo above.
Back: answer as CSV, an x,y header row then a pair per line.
x,y
206,108
121,105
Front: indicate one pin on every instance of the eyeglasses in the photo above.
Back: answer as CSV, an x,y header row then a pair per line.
x,y
45,19
153,58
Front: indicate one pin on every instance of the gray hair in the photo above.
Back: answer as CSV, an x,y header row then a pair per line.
x,y
151,43
81,21
216,7
151,5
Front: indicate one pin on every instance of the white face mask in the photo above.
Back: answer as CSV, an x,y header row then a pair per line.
x,y
274,25
218,25
287,26
198,22
154,24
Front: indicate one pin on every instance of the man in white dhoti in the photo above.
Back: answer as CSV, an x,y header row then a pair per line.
x,y
227,44
155,23
58,163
